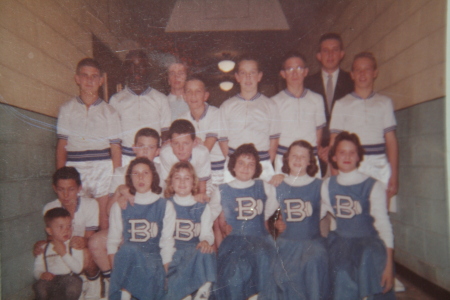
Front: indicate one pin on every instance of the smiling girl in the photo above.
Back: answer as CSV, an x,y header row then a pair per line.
x,y
361,246
245,258
193,268
302,269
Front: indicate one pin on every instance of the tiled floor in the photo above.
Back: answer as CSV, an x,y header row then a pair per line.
x,y
417,288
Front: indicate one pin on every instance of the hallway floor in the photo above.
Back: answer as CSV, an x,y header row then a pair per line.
x,y
418,288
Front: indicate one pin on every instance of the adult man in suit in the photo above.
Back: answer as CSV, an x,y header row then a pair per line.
x,y
331,82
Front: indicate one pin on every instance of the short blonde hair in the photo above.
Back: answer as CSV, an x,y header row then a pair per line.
x,y
368,55
169,191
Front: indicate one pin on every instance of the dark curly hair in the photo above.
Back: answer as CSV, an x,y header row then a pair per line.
x,y
54,213
312,168
247,150
182,126
147,132
346,136
155,177
66,173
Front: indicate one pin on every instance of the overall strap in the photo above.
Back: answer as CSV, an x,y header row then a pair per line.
x,y
70,252
45,256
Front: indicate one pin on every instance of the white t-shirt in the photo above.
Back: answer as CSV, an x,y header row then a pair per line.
x,y
199,160
178,106
149,109
56,264
250,121
85,218
84,129
209,125
300,118
369,118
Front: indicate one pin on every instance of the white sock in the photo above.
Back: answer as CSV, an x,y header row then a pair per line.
x,y
125,295
254,297
188,297
203,292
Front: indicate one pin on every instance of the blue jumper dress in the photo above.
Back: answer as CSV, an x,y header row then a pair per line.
x,y
301,271
246,256
190,268
138,266
357,255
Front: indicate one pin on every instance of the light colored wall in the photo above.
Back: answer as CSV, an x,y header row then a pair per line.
x,y
406,36
27,147
408,39
421,226
42,41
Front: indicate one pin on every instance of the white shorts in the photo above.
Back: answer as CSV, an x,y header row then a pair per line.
x,y
217,177
95,176
378,167
266,175
279,165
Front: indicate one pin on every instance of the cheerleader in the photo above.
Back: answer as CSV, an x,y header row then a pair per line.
x,y
245,257
301,271
140,239
193,268
360,248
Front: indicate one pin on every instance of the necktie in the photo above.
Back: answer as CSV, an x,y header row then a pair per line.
x,y
329,92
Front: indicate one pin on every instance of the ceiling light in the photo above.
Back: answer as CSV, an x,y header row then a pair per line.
x,y
226,65
226,86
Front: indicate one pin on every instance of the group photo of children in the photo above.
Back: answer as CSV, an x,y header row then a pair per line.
x,y
168,197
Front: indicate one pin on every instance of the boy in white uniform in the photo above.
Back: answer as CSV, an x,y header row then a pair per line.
x,y
84,219
371,117
183,147
57,266
177,73
302,109
138,104
89,136
206,120
250,117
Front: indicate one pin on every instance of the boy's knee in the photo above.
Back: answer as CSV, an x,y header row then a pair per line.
x,y
93,242
40,289
98,240
74,286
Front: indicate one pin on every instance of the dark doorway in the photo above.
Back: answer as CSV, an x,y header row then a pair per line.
x,y
111,65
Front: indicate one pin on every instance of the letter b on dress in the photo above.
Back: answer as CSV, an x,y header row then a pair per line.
x,y
142,230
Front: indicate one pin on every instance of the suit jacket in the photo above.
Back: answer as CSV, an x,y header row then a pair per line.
x,y
344,85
